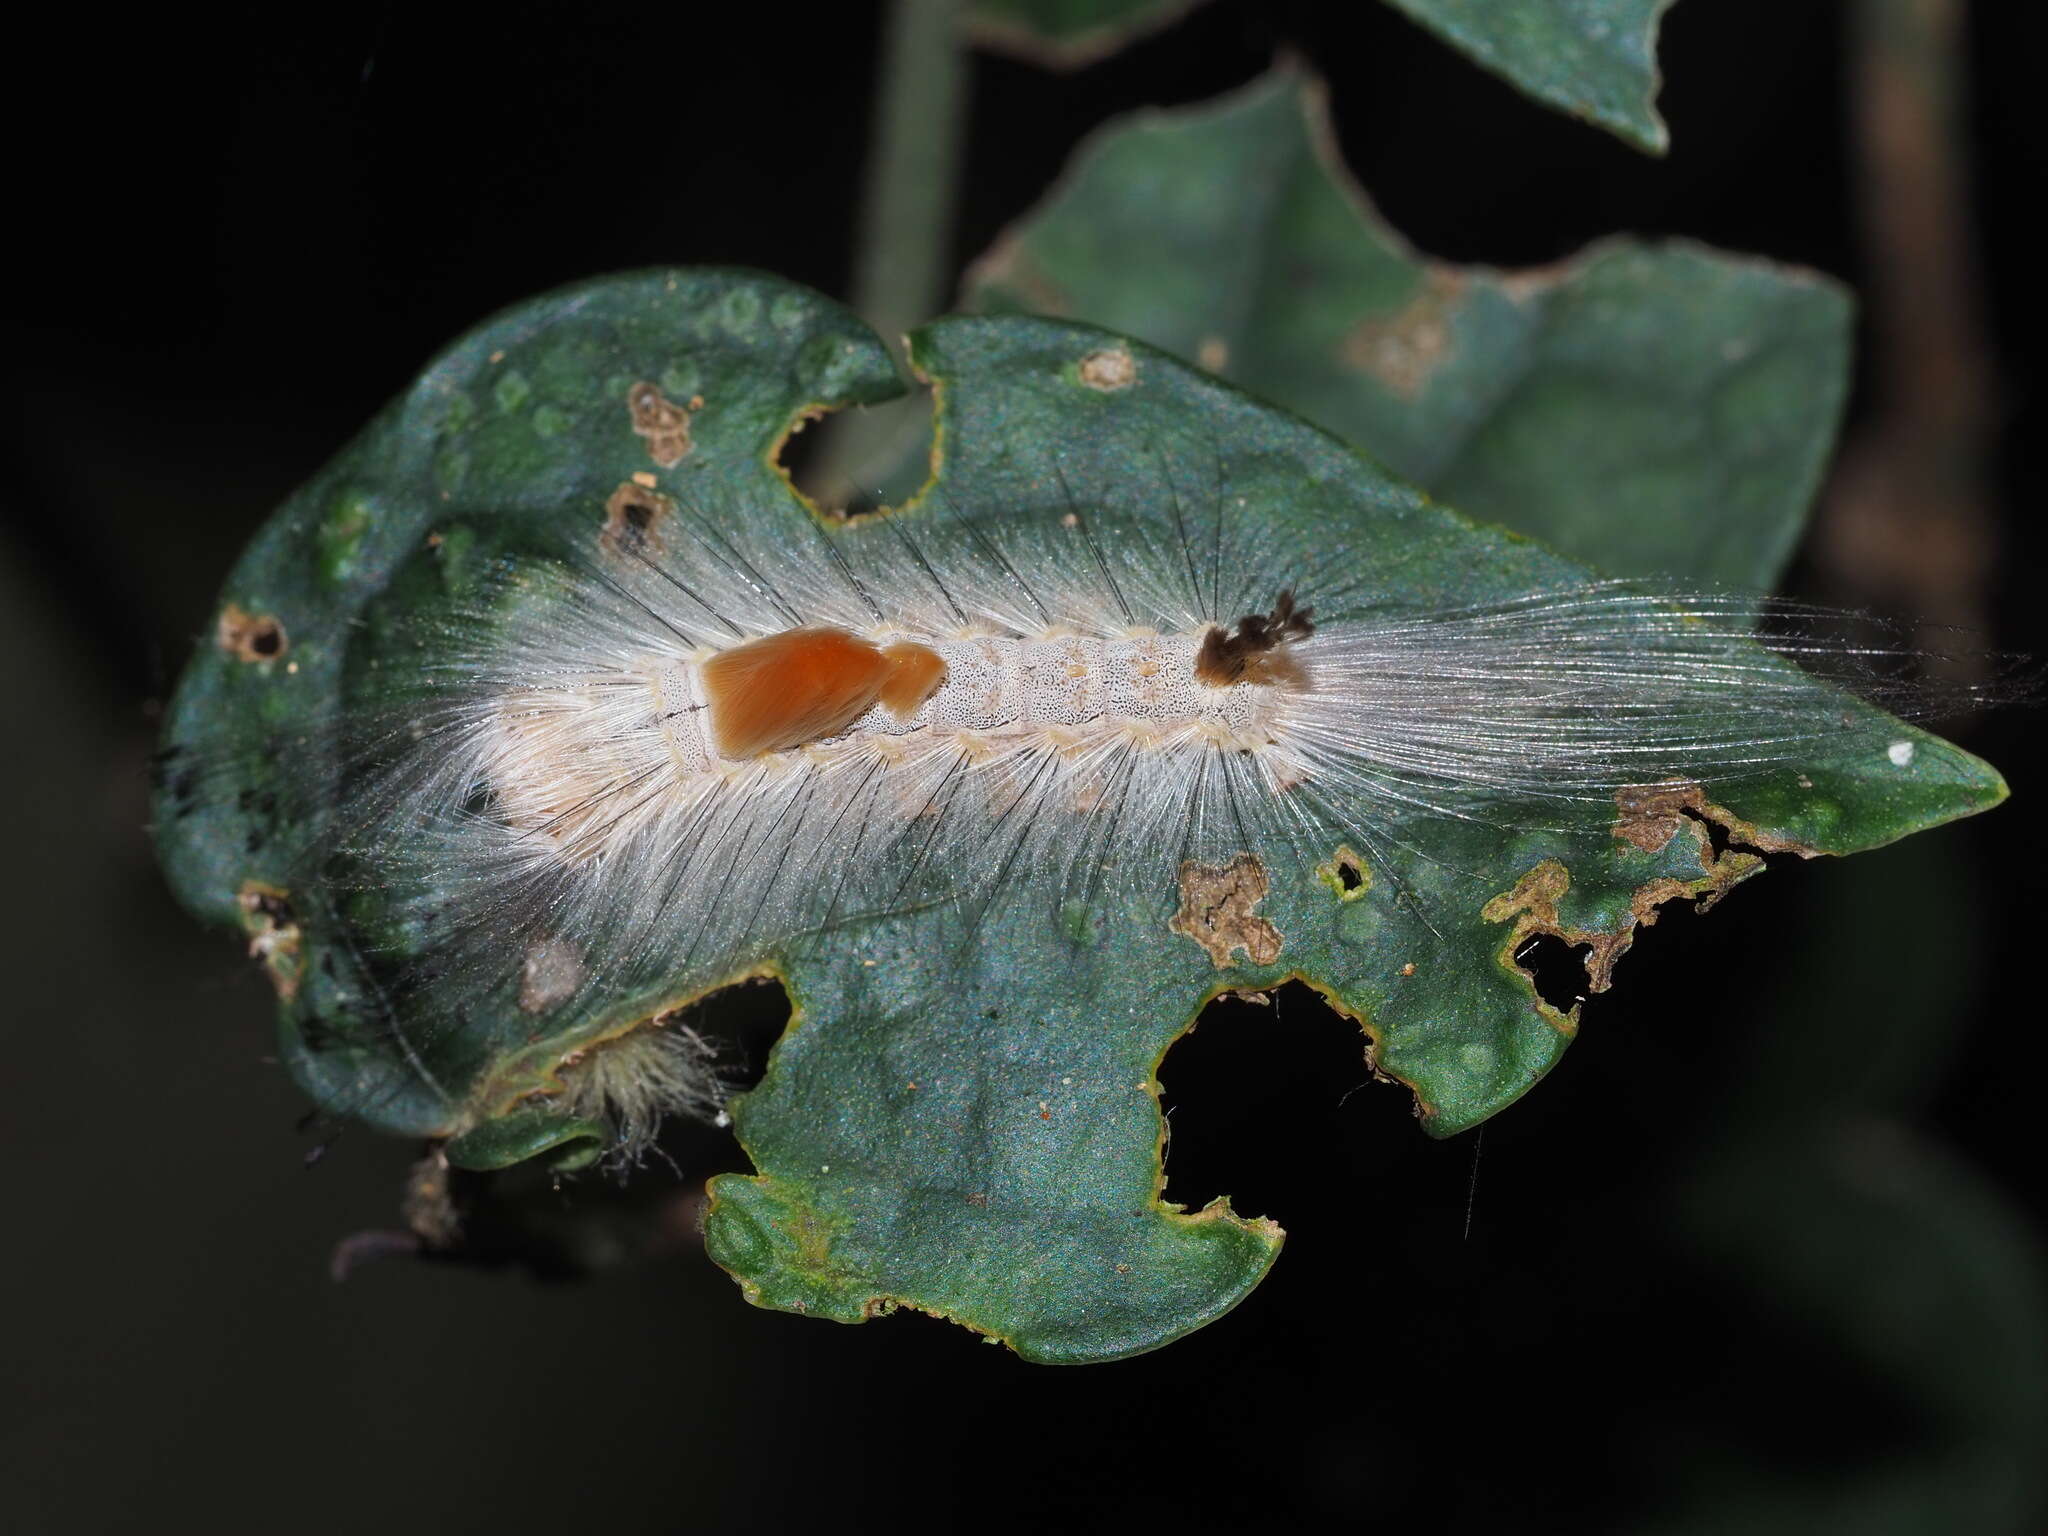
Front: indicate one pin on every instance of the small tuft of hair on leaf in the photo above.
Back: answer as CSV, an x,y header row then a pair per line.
x,y
637,1081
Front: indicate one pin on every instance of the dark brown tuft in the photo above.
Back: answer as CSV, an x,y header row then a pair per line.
x,y
1247,653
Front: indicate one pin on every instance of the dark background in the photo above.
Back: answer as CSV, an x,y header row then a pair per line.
x,y
1763,1253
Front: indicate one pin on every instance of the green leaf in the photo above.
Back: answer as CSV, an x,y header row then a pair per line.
x,y
1596,59
969,1128
1652,410
1908,1273
1068,34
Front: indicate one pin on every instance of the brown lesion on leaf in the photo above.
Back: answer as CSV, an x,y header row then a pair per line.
x,y
249,636
1219,910
275,940
1533,908
1404,349
636,517
664,424
1110,368
1650,815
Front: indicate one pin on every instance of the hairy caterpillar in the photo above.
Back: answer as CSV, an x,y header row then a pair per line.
x,y
692,729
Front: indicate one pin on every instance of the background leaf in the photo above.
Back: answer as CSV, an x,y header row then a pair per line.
x,y
1916,1279
1652,410
1595,59
1067,34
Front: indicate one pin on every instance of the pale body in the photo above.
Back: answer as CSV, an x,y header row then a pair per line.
x,y
1081,696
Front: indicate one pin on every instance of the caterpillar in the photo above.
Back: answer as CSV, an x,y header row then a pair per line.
x,y
689,735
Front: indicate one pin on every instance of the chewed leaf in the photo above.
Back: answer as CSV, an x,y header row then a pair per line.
x,y
1653,410
1155,692
1595,59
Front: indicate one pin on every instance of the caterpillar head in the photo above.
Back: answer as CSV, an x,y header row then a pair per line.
x,y
1257,648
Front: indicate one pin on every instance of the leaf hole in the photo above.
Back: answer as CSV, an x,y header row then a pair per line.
x,y
864,458
636,517
249,636
1268,1100
1345,873
1556,968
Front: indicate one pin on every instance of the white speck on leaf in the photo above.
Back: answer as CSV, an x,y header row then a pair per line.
x,y
1900,752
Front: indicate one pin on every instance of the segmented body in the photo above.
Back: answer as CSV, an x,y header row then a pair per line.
x,y
1002,699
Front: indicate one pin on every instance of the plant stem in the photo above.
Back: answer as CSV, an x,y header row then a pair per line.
x,y
904,257
902,268
1909,519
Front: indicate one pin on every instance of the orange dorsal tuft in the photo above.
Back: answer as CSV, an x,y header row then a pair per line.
x,y
808,684
915,672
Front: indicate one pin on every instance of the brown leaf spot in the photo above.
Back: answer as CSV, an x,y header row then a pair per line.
x,y
1535,894
249,636
635,518
1649,816
1533,903
1403,350
1532,906
1218,910
1109,369
664,424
